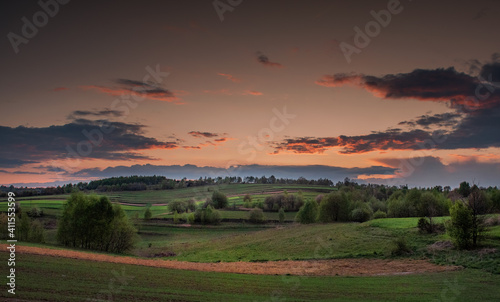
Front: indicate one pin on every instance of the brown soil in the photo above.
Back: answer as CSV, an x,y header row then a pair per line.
x,y
340,267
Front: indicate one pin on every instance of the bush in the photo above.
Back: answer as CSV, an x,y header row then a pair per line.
x,y
191,205
281,215
219,200
360,215
257,216
460,225
4,232
379,214
207,215
308,213
287,201
400,247
35,212
177,206
176,217
24,226
247,199
37,232
190,218
148,214
424,225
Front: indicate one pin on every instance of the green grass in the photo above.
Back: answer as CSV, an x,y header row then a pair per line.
x,y
401,223
317,241
135,201
44,278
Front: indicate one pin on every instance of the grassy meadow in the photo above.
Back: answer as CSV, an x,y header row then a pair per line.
x,y
47,278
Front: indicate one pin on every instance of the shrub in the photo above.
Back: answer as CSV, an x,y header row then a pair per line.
x,y
424,225
256,216
400,247
219,200
460,225
191,205
4,233
361,214
35,212
207,215
308,213
247,199
178,206
176,217
281,215
24,226
148,214
37,232
379,214
190,218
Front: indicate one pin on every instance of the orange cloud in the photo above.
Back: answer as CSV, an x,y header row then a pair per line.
x,y
230,77
252,92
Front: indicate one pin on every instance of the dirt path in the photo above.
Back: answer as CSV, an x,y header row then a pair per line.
x,y
340,267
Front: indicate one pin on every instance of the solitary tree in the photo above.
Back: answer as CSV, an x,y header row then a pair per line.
x,y
281,215
219,200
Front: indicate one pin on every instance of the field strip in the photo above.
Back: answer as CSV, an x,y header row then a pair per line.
x,y
340,267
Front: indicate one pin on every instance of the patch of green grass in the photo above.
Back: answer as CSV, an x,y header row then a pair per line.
x,y
401,223
60,279
316,241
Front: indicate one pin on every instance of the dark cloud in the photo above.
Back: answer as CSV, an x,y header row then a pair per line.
x,y
81,138
149,90
203,134
447,119
264,60
98,113
21,172
392,139
474,124
438,85
11,162
216,139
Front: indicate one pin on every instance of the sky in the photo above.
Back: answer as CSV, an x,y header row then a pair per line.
x,y
390,92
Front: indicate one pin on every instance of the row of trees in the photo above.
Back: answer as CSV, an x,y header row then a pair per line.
x,y
27,229
92,222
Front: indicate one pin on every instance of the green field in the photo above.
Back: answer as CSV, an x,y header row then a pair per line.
x,y
136,201
235,239
44,278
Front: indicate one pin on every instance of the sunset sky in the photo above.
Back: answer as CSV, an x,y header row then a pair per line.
x,y
391,92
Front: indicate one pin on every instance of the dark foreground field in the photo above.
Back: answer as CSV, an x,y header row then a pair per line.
x,y
46,278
